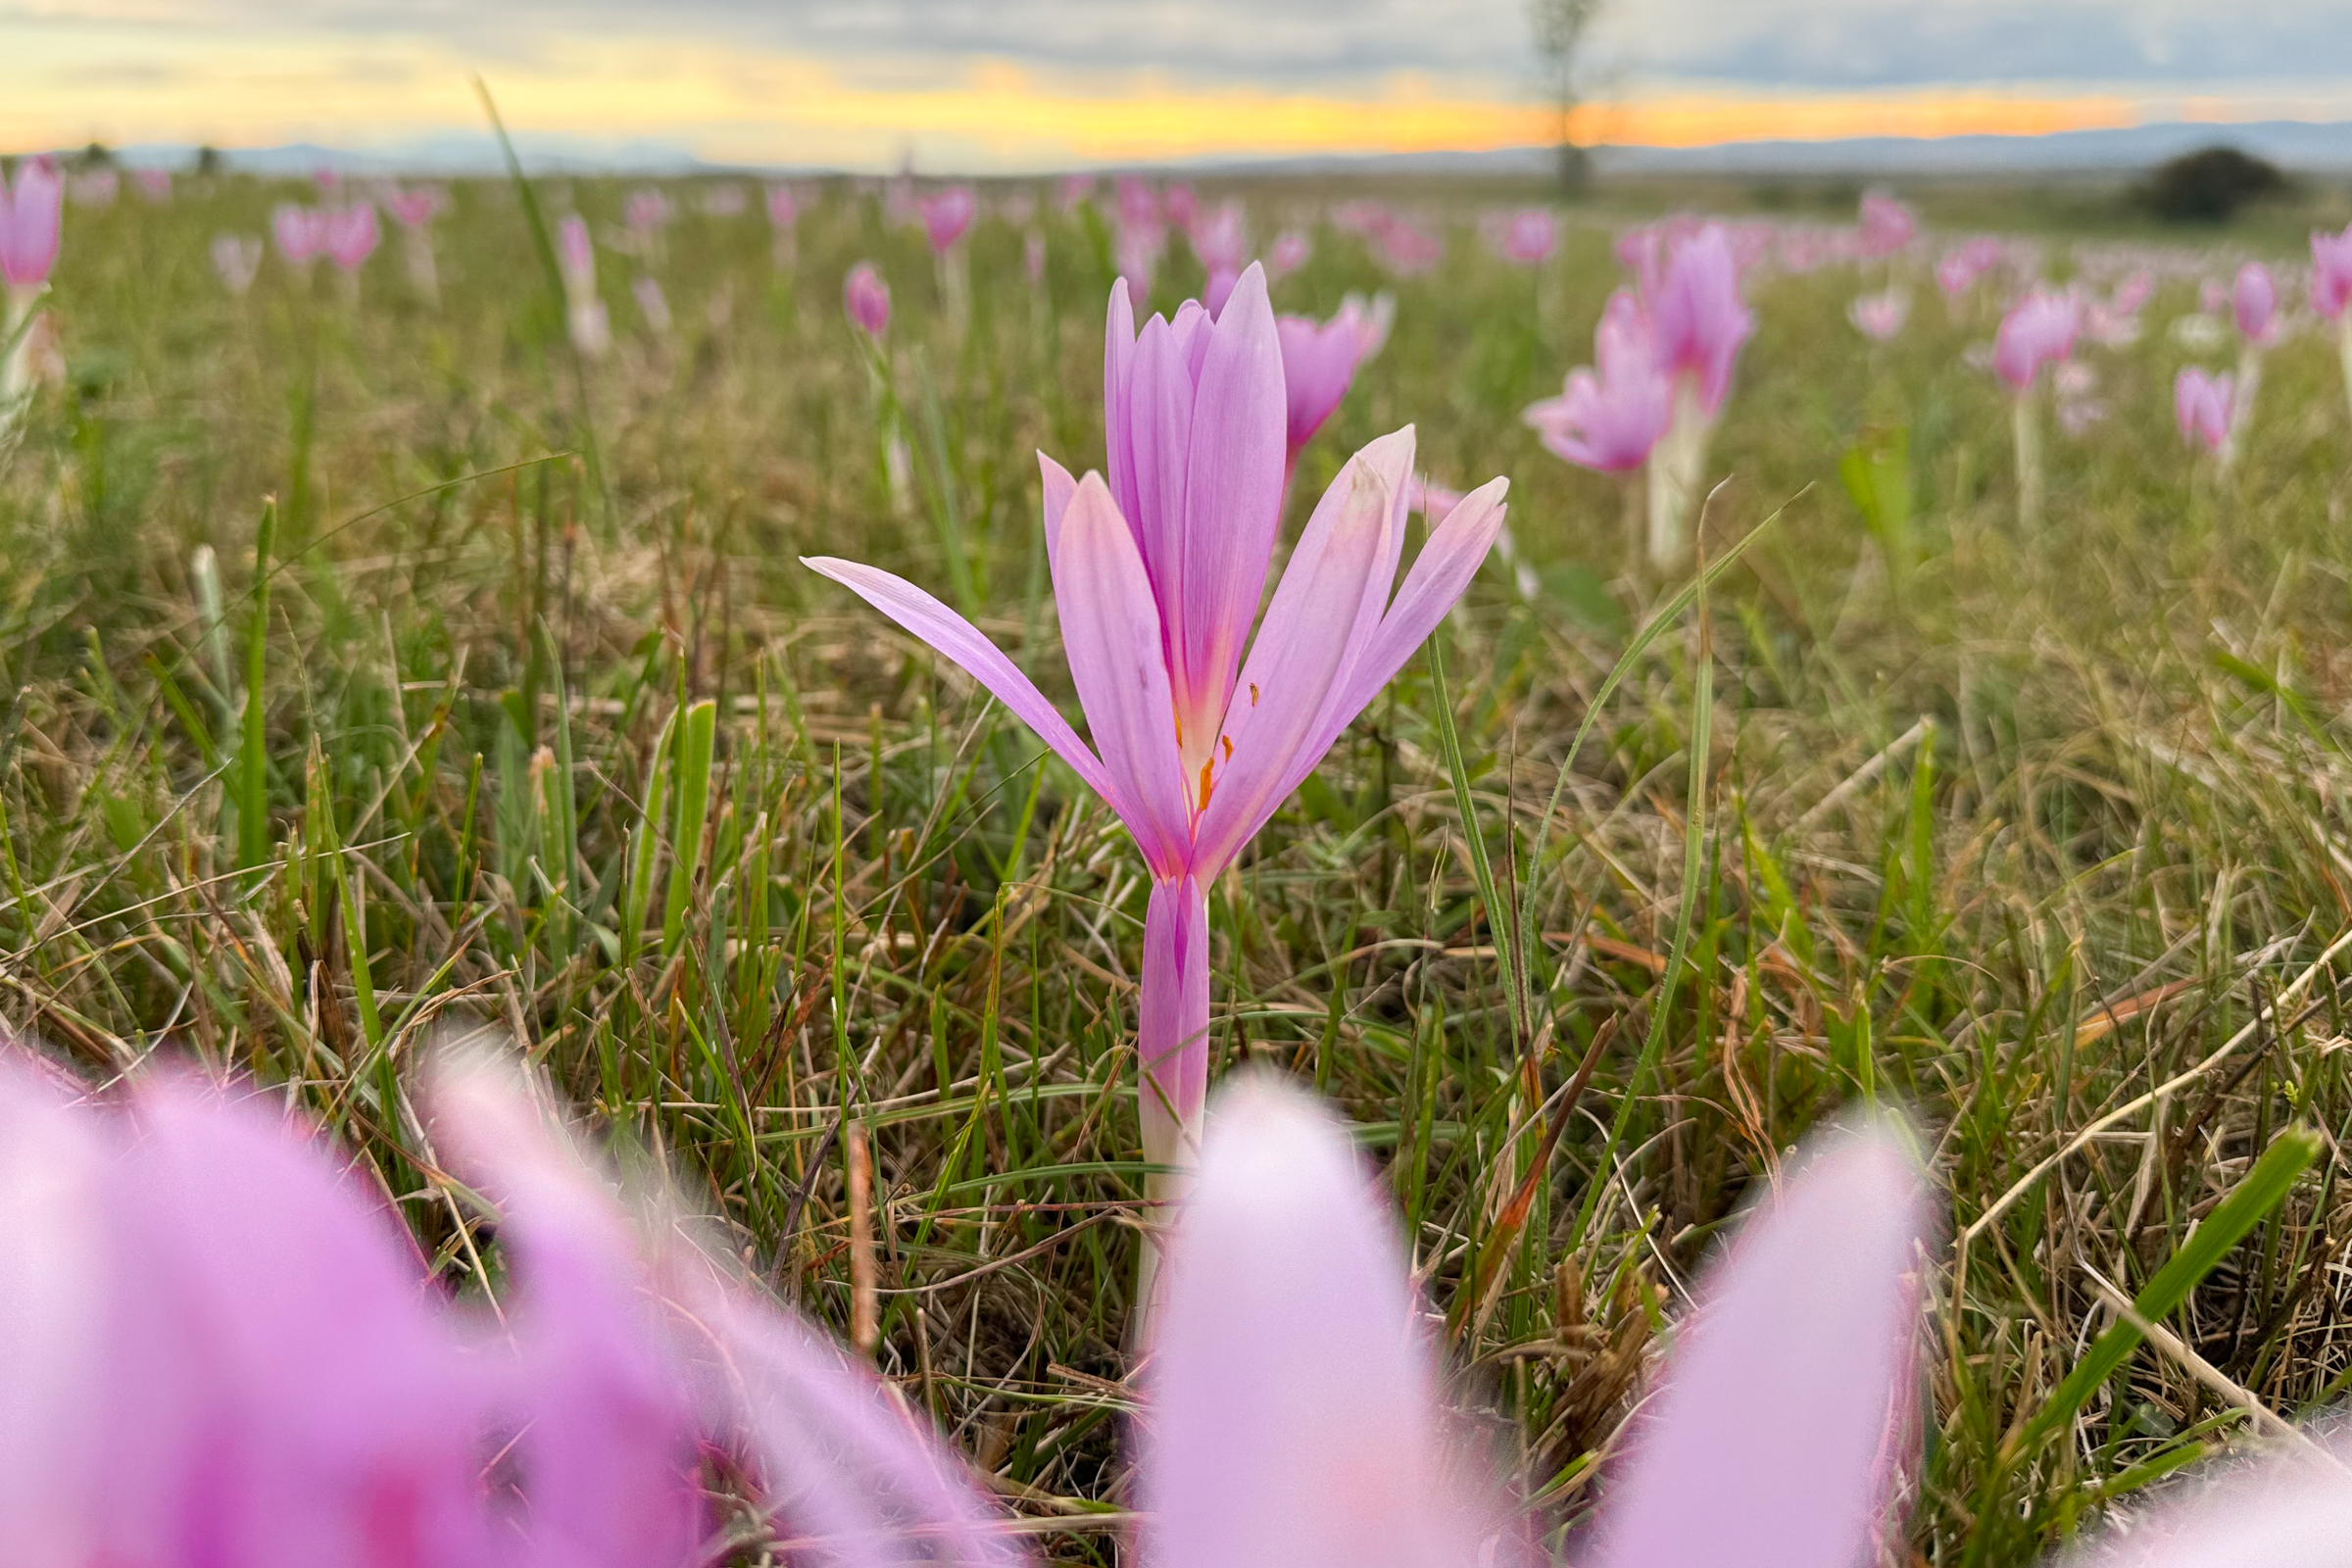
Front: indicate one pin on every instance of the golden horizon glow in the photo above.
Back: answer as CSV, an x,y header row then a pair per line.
x,y
747,106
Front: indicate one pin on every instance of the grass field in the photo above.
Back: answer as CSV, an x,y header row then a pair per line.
x,y
514,709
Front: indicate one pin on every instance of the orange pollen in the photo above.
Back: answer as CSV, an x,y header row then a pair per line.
x,y
1254,694
1207,784
1226,741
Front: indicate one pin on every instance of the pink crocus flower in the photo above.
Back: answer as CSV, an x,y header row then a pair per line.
x,y
1033,259
644,212
349,235
2040,329
2254,299
587,321
866,298
2290,1506
236,258
300,231
1182,206
1289,253
1885,226
2331,273
2201,406
783,227
1220,237
1610,422
1320,361
414,207
31,222
1292,1403
1528,236
783,206
153,183
1698,315
947,215
1961,267
1158,572
1407,250
1073,189
1880,316
220,1346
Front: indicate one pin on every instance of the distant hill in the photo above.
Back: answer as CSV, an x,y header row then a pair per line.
x,y
2317,148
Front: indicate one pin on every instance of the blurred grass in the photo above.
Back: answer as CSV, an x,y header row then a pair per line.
x,y
439,739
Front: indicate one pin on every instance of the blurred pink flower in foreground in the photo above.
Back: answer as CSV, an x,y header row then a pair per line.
x,y
219,1345
947,215
1159,573
414,207
2040,329
2254,300
31,221
867,300
1611,420
1698,320
1528,236
1886,226
1320,361
1292,1403
236,258
2201,406
1880,316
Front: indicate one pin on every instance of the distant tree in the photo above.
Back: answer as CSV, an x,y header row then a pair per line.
x,y
2209,185
97,155
208,160
1561,27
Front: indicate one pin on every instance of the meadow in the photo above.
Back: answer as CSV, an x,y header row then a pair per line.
x,y
379,667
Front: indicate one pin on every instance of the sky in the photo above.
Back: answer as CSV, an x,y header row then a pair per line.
x,y
1012,84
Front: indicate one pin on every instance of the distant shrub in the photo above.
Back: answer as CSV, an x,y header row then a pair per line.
x,y
2209,185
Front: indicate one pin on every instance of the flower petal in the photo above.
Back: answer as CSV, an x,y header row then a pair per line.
x,y
1058,488
962,642
1160,429
1293,1418
1770,1442
1118,374
1232,504
1323,611
1110,635
1172,1021
1441,573
2290,1506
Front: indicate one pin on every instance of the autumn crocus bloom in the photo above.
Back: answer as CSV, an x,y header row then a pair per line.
x,y
1698,320
153,183
1880,316
31,221
585,316
300,233
2040,329
1289,254
1528,236
2201,405
1611,420
1157,575
217,1345
1885,226
1960,269
1320,361
2254,300
867,300
947,215
1292,1403
349,235
2332,290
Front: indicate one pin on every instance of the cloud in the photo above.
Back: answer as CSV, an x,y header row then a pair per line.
x,y
1898,43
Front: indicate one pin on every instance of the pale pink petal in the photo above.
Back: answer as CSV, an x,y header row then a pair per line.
x,y
1292,1419
1440,574
1110,635
962,642
1232,502
1323,614
607,1447
1118,374
1773,1440
1159,407
2291,1507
